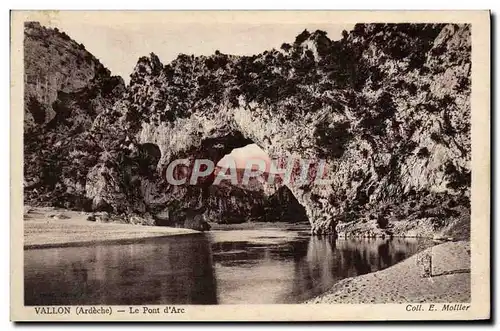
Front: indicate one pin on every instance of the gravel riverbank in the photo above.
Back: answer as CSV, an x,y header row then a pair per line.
x,y
48,227
447,280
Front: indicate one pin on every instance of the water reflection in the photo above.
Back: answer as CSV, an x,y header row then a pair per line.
x,y
167,270
327,261
225,267
264,267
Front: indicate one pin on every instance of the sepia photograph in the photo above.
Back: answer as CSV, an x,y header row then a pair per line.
x,y
176,159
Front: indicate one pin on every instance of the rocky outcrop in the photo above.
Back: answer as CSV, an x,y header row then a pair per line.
x,y
432,216
232,204
54,65
387,107
66,87
283,206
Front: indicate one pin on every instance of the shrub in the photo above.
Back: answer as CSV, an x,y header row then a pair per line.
x,y
439,50
445,102
382,222
302,37
65,36
315,197
375,123
458,178
412,89
436,138
376,77
423,153
36,109
332,141
463,84
286,47
424,70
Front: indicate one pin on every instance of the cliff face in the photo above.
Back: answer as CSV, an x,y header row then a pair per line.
x,y
230,203
66,87
387,107
54,64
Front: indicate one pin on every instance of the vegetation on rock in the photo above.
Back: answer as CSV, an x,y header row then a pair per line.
x,y
387,106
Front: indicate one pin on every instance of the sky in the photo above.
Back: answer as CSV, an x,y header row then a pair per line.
x,y
240,156
118,39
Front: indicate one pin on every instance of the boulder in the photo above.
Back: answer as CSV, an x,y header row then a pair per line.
x,y
197,223
102,217
60,216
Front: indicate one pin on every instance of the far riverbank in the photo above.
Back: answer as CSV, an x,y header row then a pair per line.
x,y
49,227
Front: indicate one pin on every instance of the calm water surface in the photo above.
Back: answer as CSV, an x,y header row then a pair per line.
x,y
219,267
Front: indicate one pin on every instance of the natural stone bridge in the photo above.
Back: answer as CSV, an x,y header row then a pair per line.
x,y
390,123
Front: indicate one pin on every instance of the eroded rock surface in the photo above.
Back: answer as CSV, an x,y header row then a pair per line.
x,y
387,107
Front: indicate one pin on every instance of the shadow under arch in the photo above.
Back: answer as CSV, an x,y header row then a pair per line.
x,y
242,202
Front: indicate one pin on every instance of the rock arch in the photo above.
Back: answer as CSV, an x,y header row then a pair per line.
x,y
207,136
365,108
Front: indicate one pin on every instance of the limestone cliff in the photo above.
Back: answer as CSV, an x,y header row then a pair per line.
x,y
54,64
65,88
387,107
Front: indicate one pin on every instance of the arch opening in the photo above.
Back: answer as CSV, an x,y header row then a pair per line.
x,y
246,195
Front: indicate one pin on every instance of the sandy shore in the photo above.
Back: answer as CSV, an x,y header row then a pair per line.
x,y
48,227
403,282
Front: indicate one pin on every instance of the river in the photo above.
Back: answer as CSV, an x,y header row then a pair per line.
x,y
219,267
